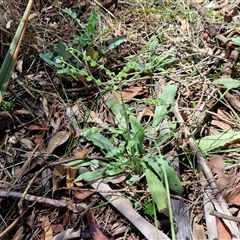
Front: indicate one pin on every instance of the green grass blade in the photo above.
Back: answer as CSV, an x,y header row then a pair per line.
x,y
11,57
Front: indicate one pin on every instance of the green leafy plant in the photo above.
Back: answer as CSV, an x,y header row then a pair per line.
x,y
125,150
76,58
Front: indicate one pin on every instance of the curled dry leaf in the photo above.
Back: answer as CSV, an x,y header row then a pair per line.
x,y
58,175
145,112
58,139
70,176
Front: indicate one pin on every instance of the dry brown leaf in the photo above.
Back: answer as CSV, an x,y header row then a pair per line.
x,y
46,225
70,176
184,26
224,114
19,234
82,153
116,179
223,232
56,123
57,228
145,112
217,165
2,20
220,124
130,93
95,118
45,106
58,175
81,195
36,127
58,139
93,227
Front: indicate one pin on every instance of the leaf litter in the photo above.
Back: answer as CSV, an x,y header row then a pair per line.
x,y
58,131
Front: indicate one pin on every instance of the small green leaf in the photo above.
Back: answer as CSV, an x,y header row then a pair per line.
x,y
149,208
92,53
92,21
165,98
98,139
229,83
138,131
156,189
113,43
50,59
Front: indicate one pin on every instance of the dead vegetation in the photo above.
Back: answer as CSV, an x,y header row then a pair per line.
x,y
193,46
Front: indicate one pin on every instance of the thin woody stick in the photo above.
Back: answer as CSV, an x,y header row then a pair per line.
x,y
209,176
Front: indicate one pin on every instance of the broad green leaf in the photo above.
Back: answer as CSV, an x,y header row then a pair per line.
x,y
166,97
157,163
156,189
63,51
91,176
221,140
98,139
83,163
113,170
229,83
168,94
113,43
137,128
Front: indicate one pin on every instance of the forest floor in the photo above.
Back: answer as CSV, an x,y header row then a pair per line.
x,y
121,121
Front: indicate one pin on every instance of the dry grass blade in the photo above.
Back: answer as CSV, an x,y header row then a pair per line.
x,y
11,57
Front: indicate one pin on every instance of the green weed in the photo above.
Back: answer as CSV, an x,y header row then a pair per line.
x,y
125,150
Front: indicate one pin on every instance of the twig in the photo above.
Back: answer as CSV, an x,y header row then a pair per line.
x,y
224,216
9,228
221,203
49,201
